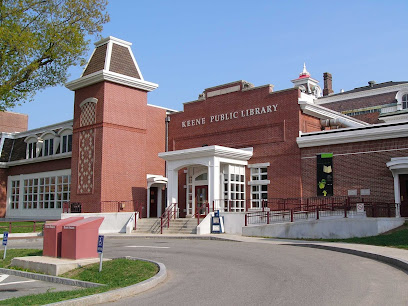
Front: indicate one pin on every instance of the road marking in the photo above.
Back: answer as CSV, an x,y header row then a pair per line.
x,y
3,277
13,283
147,246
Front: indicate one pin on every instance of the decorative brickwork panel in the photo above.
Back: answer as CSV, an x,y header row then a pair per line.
x,y
88,114
86,161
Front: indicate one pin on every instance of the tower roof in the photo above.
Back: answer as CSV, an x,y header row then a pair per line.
x,y
112,60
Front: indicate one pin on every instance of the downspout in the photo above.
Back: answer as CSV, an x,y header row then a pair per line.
x,y
339,122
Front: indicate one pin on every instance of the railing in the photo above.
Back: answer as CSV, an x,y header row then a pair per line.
x,y
309,211
16,225
104,206
168,214
202,210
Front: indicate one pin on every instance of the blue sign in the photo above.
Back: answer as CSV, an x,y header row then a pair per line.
x,y
100,243
5,238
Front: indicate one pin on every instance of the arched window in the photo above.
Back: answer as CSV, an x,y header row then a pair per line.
x,y
404,101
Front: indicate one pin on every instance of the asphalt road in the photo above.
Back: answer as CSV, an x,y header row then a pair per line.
x,y
203,272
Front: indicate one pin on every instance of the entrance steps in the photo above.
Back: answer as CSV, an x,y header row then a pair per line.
x,y
177,226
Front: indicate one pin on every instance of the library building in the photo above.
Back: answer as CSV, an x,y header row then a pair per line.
x,y
238,147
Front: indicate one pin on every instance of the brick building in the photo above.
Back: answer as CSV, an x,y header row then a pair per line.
x,y
236,145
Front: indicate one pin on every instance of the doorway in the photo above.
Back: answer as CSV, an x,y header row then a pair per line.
x,y
201,193
153,202
403,178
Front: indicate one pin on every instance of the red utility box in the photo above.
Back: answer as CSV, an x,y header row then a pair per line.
x,y
80,238
52,236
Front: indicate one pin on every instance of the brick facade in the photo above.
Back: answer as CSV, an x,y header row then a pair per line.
x,y
356,166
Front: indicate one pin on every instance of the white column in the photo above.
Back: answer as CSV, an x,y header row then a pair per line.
x,y
214,183
148,201
159,200
397,194
172,186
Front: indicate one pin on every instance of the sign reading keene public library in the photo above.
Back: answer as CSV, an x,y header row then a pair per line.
x,y
231,115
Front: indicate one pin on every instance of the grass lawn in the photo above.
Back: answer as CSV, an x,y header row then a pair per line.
x,y
115,274
21,226
397,238
11,253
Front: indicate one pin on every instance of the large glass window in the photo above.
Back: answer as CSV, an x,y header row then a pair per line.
x,y
234,188
259,186
42,192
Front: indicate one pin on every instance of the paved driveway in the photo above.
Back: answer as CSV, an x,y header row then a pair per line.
x,y
205,272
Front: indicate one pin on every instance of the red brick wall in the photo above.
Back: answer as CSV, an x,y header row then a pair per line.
x,y
356,166
128,137
272,135
13,122
3,192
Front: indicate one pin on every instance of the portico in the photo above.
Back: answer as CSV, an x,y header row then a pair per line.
x,y
213,173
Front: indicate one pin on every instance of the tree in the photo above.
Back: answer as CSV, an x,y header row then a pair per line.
x,y
40,40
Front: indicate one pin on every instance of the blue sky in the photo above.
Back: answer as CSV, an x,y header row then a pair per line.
x,y
187,46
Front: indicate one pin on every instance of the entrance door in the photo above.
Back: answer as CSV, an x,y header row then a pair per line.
x,y
201,193
153,202
403,178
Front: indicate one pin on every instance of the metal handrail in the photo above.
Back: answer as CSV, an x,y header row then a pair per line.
x,y
206,207
169,212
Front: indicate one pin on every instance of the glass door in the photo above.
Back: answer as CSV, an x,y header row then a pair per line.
x,y
201,198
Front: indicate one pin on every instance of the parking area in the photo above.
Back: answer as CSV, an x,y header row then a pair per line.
x,y
15,286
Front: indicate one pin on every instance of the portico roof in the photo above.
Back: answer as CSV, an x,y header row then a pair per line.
x,y
243,154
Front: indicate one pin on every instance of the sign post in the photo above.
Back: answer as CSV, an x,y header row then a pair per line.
x,y
5,238
100,251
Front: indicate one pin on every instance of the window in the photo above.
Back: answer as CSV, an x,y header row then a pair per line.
x,y
404,101
31,146
66,143
40,191
15,194
234,188
48,148
259,184
31,150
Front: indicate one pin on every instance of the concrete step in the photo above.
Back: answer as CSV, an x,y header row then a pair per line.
x,y
177,226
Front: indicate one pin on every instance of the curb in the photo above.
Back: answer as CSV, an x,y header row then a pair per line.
x,y
114,295
51,279
171,237
394,262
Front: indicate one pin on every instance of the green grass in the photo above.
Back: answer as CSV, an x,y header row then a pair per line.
x,y
397,238
21,227
115,274
11,253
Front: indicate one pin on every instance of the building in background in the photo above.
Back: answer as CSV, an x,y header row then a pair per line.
x,y
234,147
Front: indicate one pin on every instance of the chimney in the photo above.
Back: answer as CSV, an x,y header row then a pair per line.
x,y
327,90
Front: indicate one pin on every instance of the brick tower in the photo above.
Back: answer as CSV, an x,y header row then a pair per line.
x,y
116,135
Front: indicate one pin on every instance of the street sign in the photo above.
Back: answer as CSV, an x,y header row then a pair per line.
x,y
5,238
100,243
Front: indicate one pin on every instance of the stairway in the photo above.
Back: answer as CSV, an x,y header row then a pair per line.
x,y
177,226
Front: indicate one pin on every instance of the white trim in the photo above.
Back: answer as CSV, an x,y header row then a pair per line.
x,y
118,41
62,131
108,56
361,152
210,151
110,76
361,94
55,126
325,113
259,182
260,165
165,108
331,137
52,133
93,100
135,63
35,160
